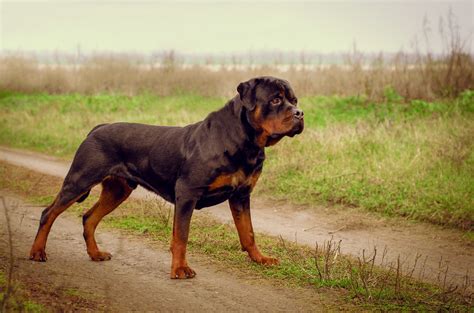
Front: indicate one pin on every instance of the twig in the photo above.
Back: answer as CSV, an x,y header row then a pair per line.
x,y
10,263
316,262
421,275
398,277
384,254
306,229
417,257
337,230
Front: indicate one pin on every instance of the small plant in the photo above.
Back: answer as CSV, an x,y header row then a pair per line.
x,y
466,100
325,258
391,95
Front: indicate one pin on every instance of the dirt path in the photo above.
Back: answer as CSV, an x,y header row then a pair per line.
x,y
137,277
358,231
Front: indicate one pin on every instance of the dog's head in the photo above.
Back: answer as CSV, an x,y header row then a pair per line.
x,y
271,107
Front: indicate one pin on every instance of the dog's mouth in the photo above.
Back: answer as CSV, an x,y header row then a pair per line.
x,y
297,128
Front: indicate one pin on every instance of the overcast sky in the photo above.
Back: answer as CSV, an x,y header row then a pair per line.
x,y
224,26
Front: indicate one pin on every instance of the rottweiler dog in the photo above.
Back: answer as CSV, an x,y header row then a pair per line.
x,y
196,166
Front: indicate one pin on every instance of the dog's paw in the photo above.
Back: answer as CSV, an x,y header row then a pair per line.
x,y
182,272
38,256
267,261
100,256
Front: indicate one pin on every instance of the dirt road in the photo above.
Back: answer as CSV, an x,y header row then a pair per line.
x,y
358,231
137,279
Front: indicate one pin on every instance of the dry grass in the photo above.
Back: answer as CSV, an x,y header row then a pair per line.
x,y
426,77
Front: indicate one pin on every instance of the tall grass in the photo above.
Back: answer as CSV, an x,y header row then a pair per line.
x,y
424,77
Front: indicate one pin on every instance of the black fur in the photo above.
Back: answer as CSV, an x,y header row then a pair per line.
x,y
196,166
181,161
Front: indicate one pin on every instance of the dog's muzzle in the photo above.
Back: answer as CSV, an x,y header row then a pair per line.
x,y
298,126
298,113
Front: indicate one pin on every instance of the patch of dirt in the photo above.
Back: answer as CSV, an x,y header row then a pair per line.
x,y
357,231
137,277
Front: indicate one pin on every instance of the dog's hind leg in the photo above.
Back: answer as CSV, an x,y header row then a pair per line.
x,y
89,167
115,190
63,201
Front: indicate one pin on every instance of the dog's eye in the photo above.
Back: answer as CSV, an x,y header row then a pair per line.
x,y
276,101
293,101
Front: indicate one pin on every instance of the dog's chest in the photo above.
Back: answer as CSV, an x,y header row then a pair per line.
x,y
239,176
234,180
225,185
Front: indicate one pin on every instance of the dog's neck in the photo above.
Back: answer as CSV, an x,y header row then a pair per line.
x,y
240,137
247,129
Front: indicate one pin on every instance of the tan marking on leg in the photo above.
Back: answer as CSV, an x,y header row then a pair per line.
x,y
115,190
37,252
179,265
243,223
182,218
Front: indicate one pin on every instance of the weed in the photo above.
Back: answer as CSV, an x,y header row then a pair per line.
x,y
325,258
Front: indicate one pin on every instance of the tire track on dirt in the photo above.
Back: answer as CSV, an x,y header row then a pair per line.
x,y
357,231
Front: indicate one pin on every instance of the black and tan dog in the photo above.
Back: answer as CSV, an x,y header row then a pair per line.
x,y
200,165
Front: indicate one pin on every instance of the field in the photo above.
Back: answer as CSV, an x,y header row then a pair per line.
x,y
369,209
411,158
386,142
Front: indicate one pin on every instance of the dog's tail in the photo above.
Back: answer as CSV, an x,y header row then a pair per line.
x,y
96,127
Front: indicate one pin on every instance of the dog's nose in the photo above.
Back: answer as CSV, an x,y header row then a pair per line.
x,y
299,114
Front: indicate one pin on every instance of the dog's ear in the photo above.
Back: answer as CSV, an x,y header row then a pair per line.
x,y
245,90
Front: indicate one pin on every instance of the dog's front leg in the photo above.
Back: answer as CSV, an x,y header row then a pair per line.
x,y
240,208
182,218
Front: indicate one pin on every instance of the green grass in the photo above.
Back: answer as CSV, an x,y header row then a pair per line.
x,y
17,300
413,159
344,282
57,124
